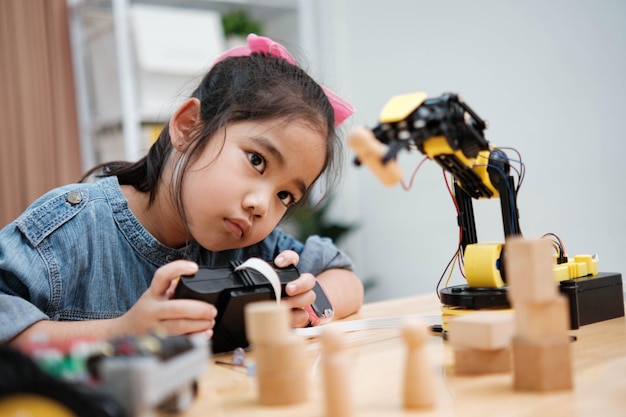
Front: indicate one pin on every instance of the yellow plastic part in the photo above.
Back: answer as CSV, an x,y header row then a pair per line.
x,y
561,273
577,269
590,261
399,107
481,265
438,145
480,167
32,405
579,266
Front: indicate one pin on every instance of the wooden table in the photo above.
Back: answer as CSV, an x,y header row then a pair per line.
x,y
377,357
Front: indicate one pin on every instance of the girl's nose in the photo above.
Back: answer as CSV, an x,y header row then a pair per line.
x,y
257,202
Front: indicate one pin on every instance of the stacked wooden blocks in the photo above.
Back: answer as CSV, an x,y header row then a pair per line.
x,y
282,365
541,350
481,342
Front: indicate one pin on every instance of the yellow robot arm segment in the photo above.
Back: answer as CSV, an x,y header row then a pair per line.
x,y
470,175
400,107
481,263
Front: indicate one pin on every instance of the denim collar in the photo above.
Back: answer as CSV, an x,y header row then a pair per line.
x,y
143,242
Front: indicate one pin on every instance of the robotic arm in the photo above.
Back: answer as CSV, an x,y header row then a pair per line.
x,y
449,132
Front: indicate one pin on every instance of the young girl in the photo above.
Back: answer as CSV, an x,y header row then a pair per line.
x,y
102,259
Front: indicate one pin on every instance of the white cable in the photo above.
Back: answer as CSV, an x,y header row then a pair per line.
x,y
373,323
266,270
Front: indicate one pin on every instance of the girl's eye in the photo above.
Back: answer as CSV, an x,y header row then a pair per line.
x,y
257,161
286,198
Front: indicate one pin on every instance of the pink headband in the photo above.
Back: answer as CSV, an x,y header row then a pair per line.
x,y
261,44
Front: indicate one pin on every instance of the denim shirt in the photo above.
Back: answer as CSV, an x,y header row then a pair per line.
x,y
79,253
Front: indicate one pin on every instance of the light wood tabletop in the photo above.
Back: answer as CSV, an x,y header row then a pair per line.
x,y
377,356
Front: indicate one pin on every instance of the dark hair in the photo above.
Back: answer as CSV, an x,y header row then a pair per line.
x,y
254,87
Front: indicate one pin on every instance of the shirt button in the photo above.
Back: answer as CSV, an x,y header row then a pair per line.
x,y
74,198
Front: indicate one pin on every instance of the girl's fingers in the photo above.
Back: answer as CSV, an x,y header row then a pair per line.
x,y
185,326
300,300
187,309
299,317
164,276
186,316
171,289
303,283
286,258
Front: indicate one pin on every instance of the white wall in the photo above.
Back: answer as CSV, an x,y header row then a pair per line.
x,y
549,77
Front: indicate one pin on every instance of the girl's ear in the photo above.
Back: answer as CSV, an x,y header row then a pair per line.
x,y
183,122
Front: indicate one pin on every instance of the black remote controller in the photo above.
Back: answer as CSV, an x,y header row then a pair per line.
x,y
229,291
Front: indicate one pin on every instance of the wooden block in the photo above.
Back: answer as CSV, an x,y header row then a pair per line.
x,y
287,356
537,321
482,330
281,390
283,372
542,365
419,380
266,321
337,387
529,270
282,366
469,361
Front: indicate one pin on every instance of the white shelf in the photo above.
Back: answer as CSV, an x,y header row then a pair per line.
x,y
119,95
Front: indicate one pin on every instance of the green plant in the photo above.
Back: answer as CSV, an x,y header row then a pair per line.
x,y
312,221
239,23
308,221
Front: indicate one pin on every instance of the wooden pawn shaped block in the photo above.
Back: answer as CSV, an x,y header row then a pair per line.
x,y
529,270
543,365
419,379
487,330
338,401
539,321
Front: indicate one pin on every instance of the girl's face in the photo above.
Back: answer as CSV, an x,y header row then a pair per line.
x,y
235,196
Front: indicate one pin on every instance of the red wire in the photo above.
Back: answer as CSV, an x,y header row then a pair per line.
x,y
404,186
458,211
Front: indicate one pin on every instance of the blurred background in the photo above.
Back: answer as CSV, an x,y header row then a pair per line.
x,y
87,81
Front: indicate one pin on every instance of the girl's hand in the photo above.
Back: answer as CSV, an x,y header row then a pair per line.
x,y
155,310
300,290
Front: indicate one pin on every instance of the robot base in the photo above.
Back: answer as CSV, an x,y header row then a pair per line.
x,y
474,298
591,298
